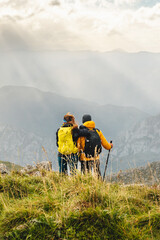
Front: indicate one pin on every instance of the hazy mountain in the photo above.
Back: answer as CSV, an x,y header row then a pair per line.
x,y
42,112
116,78
20,147
139,145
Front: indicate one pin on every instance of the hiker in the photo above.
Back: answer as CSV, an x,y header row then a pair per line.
x,y
91,147
67,136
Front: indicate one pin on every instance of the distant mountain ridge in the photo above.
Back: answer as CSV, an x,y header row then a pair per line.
x,y
42,112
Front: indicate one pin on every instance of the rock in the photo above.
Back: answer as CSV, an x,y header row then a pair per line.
x,y
29,168
37,173
21,227
22,171
44,165
3,169
150,175
36,170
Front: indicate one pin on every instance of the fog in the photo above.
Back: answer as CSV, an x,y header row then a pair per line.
x,y
117,78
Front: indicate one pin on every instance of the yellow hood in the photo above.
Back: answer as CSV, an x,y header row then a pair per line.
x,y
89,124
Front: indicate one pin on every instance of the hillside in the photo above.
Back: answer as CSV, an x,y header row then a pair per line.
x,y
81,207
139,145
21,147
149,174
11,166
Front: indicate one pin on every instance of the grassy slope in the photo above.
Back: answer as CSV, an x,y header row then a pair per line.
x,y
81,207
11,166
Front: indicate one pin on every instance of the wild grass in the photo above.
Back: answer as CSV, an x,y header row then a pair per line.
x,y
78,207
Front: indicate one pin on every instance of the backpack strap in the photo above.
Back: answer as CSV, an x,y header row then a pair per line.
x,y
97,129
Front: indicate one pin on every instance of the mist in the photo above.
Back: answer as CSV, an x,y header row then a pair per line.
x,y
116,78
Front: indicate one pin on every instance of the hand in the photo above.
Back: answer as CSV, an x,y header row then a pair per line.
x,y
111,145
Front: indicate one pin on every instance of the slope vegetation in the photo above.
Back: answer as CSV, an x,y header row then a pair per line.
x,y
11,166
81,207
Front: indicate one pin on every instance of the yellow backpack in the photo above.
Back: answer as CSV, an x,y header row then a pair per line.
x,y
65,141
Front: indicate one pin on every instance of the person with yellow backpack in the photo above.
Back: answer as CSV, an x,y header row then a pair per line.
x,y
66,139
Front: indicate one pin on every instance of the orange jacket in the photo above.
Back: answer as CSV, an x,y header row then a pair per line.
x,y
81,142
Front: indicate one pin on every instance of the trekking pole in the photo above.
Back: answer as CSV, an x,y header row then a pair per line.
x,y
106,163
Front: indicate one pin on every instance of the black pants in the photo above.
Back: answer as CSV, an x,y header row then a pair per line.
x,y
88,166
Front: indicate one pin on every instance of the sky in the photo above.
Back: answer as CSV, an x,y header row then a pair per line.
x,y
59,27
75,25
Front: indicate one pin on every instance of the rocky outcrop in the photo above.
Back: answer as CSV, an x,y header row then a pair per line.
x,y
44,165
29,169
37,169
150,175
3,169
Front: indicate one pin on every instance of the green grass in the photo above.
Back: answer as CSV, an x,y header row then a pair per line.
x,y
80,207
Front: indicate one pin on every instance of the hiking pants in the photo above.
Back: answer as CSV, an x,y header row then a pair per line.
x,y
71,160
87,166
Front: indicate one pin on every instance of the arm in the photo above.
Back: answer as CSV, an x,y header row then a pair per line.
x,y
82,132
57,137
81,145
104,142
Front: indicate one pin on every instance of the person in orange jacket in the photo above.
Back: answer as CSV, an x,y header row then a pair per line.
x,y
91,147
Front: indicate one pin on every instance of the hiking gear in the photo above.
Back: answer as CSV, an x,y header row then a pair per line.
x,y
73,163
65,141
86,118
81,141
87,166
62,164
76,133
72,160
106,162
93,144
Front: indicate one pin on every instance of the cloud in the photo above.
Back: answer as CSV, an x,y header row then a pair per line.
x,y
55,3
125,2
136,3
81,25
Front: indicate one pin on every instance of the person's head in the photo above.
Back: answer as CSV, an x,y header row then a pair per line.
x,y
70,119
86,118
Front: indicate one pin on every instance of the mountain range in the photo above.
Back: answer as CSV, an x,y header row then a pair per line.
x,y
29,120
42,112
139,145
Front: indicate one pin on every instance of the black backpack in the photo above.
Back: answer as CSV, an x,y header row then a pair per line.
x,y
92,144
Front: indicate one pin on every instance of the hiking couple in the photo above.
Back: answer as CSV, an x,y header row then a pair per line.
x,y
82,143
